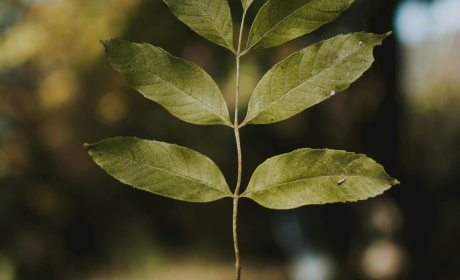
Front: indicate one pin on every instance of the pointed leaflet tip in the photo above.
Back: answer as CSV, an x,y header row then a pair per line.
x,y
86,145
104,42
394,182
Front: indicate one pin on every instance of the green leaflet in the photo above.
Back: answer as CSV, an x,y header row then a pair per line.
x,y
161,168
183,88
246,4
311,76
309,176
209,18
280,21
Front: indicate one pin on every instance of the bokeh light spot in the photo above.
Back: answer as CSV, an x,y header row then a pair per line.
x,y
111,108
382,260
57,89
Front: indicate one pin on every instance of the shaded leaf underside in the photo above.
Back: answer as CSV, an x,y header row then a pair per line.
x,y
310,76
181,87
209,18
278,22
161,168
309,176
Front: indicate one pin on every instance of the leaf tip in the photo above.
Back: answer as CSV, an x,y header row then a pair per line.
x,y
387,34
104,42
394,182
107,43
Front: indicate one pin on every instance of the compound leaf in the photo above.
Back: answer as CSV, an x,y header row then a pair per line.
x,y
209,18
309,176
280,21
181,87
246,4
161,168
311,76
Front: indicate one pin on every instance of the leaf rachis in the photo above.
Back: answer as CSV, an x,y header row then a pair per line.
x,y
305,78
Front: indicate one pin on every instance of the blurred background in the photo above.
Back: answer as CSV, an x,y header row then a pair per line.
x,y
63,218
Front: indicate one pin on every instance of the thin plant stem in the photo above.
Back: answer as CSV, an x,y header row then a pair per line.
x,y
235,239
240,159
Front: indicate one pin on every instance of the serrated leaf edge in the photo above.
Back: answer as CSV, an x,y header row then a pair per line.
x,y
249,48
227,121
392,181
229,45
372,45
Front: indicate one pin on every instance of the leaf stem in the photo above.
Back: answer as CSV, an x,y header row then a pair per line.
x,y
240,159
241,34
235,239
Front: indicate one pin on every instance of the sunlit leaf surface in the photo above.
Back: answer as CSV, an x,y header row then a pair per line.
x,y
161,168
280,21
308,176
209,18
183,88
311,76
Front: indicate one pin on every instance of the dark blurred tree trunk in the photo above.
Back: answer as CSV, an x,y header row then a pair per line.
x,y
383,131
386,131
